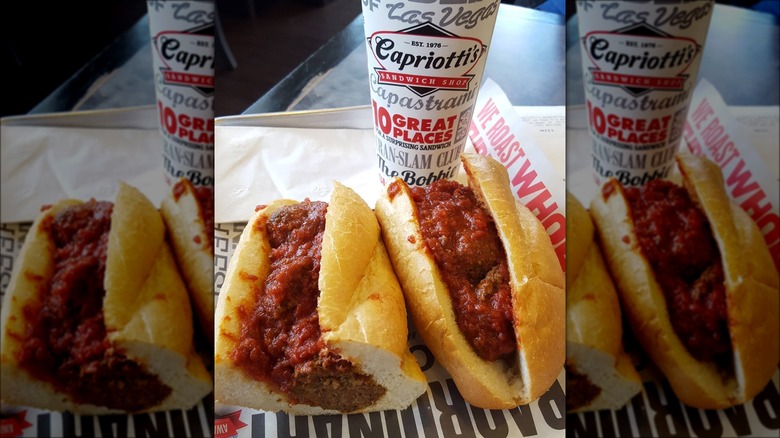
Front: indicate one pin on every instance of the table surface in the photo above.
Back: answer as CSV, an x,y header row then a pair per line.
x,y
120,76
526,58
530,54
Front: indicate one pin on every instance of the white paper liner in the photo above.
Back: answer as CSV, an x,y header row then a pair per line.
x,y
303,162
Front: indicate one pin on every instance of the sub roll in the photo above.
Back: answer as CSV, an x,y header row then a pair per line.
x,y
310,318
96,319
482,283
697,283
188,213
599,374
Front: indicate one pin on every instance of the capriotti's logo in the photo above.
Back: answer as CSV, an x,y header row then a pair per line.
x,y
188,57
425,58
640,58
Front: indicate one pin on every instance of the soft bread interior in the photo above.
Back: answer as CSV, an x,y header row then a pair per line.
x,y
615,376
191,243
374,335
361,311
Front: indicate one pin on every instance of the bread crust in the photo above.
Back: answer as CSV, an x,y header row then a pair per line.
x,y
193,249
361,310
536,280
594,329
146,309
751,292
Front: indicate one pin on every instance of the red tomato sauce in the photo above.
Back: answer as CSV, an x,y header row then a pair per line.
x,y
66,342
676,238
464,242
281,340
205,197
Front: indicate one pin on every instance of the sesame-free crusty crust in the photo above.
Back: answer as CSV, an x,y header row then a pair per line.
x,y
361,309
536,280
751,292
192,246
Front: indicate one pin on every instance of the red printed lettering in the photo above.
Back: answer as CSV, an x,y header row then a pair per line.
x,y
770,227
191,129
701,113
712,132
538,207
524,181
690,139
382,118
487,112
555,225
480,146
497,131
738,180
597,119
753,206
476,139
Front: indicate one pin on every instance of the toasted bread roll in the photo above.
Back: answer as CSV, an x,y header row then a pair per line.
x,y
599,374
534,285
188,214
709,317
96,319
334,313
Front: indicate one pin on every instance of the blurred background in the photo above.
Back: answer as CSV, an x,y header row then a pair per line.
x,y
290,31
46,42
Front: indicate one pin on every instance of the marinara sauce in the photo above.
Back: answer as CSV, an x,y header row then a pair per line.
x,y
281,341
677,240
464,242
66,342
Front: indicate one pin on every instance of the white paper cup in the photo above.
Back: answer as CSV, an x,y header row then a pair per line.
x,y
425,64
640,60
183,59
